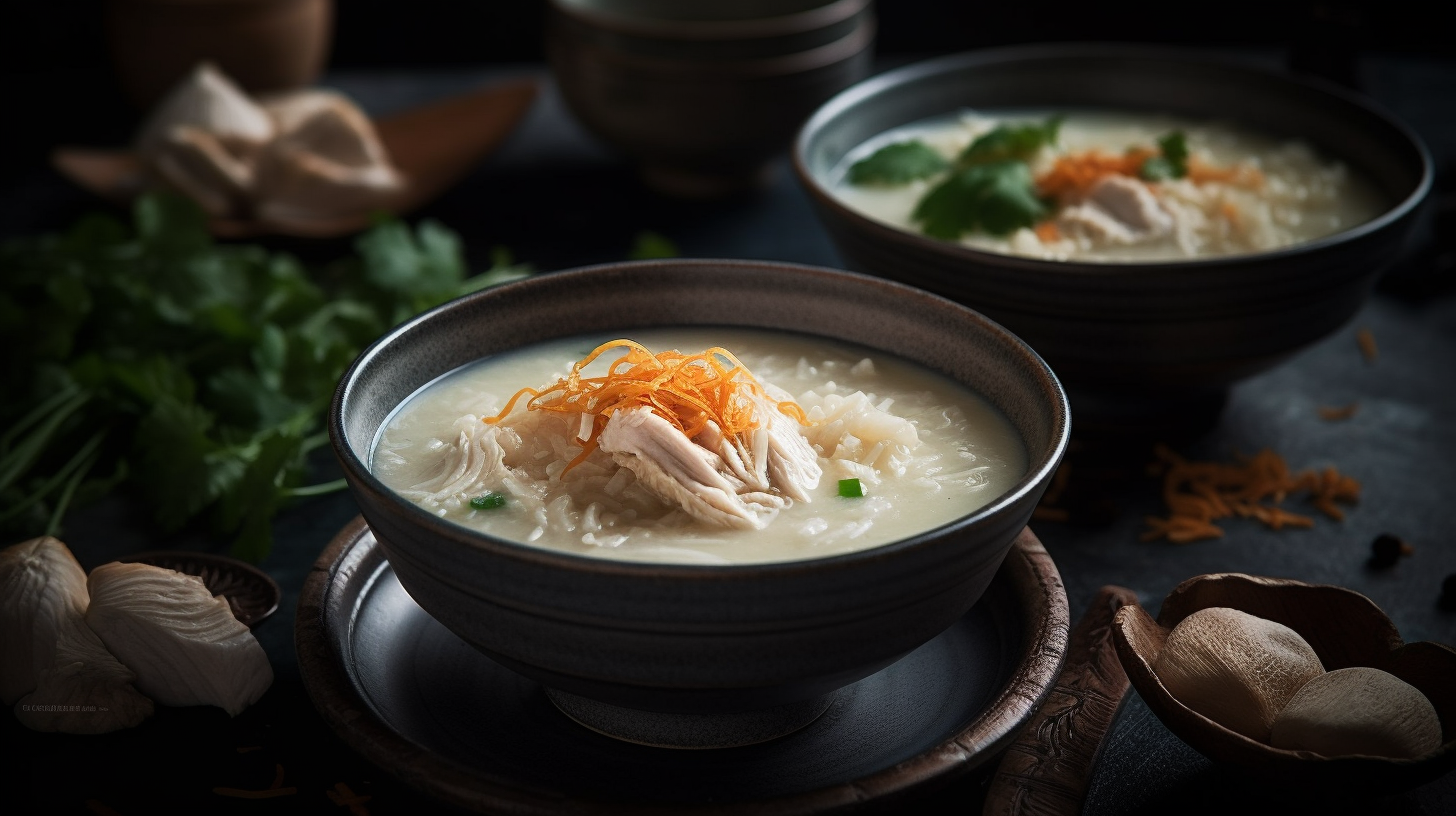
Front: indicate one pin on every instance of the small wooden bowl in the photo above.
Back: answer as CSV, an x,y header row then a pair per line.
x,y
1345,629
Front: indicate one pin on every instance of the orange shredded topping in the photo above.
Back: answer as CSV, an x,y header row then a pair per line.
x,y
1199,493
1239,175
1366,339
1071,176
688,390
1048,232
343,796
1337,413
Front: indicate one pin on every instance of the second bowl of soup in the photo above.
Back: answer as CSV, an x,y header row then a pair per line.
x,y
1156,224
710,488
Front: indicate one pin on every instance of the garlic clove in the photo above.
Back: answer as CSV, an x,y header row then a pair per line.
x,y
184,645
206,99
194,162
1359,711
1234,668
41,586
85,690
328,163
62,676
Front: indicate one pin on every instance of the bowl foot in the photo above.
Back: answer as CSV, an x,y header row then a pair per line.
x,y
677,730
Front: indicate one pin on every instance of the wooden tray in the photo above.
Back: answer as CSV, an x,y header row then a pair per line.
x,y
422,704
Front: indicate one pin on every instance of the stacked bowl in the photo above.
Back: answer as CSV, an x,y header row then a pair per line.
x,y
704,95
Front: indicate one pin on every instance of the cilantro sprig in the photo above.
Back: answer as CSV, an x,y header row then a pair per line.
x,y
898,163
1171,161
987,188
192,374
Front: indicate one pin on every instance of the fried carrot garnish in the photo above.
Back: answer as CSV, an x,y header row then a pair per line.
x,y
1048,232
343,796
1366,339
688,390
1072,175
1332,413
1199,493
1239,175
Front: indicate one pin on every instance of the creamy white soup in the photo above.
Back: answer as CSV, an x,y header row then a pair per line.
x,y
1088,192
751,472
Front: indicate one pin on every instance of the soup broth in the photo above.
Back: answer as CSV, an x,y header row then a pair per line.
x,y
924,449
1240,192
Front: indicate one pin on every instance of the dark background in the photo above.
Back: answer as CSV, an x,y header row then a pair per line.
x,y
59,87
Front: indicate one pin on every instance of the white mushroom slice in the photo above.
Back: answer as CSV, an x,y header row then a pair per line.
x,y
290,109
330,163
678,471
1359,711
194,162
209,101
50,661
184,645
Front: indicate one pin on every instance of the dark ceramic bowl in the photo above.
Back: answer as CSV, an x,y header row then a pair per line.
x,y
690,638
703,102
1124,334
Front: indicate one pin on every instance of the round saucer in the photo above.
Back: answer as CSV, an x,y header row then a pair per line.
x,y
421,703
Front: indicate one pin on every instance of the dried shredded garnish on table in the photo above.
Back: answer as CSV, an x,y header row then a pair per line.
x,y
1366,339
1198,493
1337,413
342,795
688,390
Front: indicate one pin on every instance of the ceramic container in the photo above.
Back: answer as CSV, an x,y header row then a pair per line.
x,y
265,45
703,96
1345,629
1126,336
691,639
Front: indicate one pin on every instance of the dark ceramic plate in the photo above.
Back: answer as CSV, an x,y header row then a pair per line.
x,y
421,703
250,593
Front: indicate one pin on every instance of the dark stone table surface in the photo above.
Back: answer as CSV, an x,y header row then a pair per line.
x,y
557,198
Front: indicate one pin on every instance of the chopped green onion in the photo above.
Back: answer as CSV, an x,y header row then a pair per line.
x,y
851,488
488,500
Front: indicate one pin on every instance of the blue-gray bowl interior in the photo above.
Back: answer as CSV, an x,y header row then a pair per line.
x,y
1183,322
527,588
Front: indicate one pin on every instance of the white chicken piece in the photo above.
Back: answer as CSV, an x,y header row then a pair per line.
x,y
476,460
1117,210
793,465
184,645
682,472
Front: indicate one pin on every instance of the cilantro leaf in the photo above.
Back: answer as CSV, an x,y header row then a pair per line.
x,y
647,245
898,163
1010,142
997,198
1172,161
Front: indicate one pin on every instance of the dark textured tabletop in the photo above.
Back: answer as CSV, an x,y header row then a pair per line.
x,y
557,198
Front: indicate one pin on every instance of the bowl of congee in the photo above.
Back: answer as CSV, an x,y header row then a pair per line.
x,y
712,490
1157,224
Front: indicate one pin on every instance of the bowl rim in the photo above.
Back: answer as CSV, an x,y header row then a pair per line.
x,y
1038,470
782,25
887,81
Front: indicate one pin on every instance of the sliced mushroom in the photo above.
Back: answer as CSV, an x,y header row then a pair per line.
x,y
206,99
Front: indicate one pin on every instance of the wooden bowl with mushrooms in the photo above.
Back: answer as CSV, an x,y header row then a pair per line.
x,y
1370,713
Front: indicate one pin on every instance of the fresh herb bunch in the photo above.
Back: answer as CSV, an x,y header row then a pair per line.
x,y
192,373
